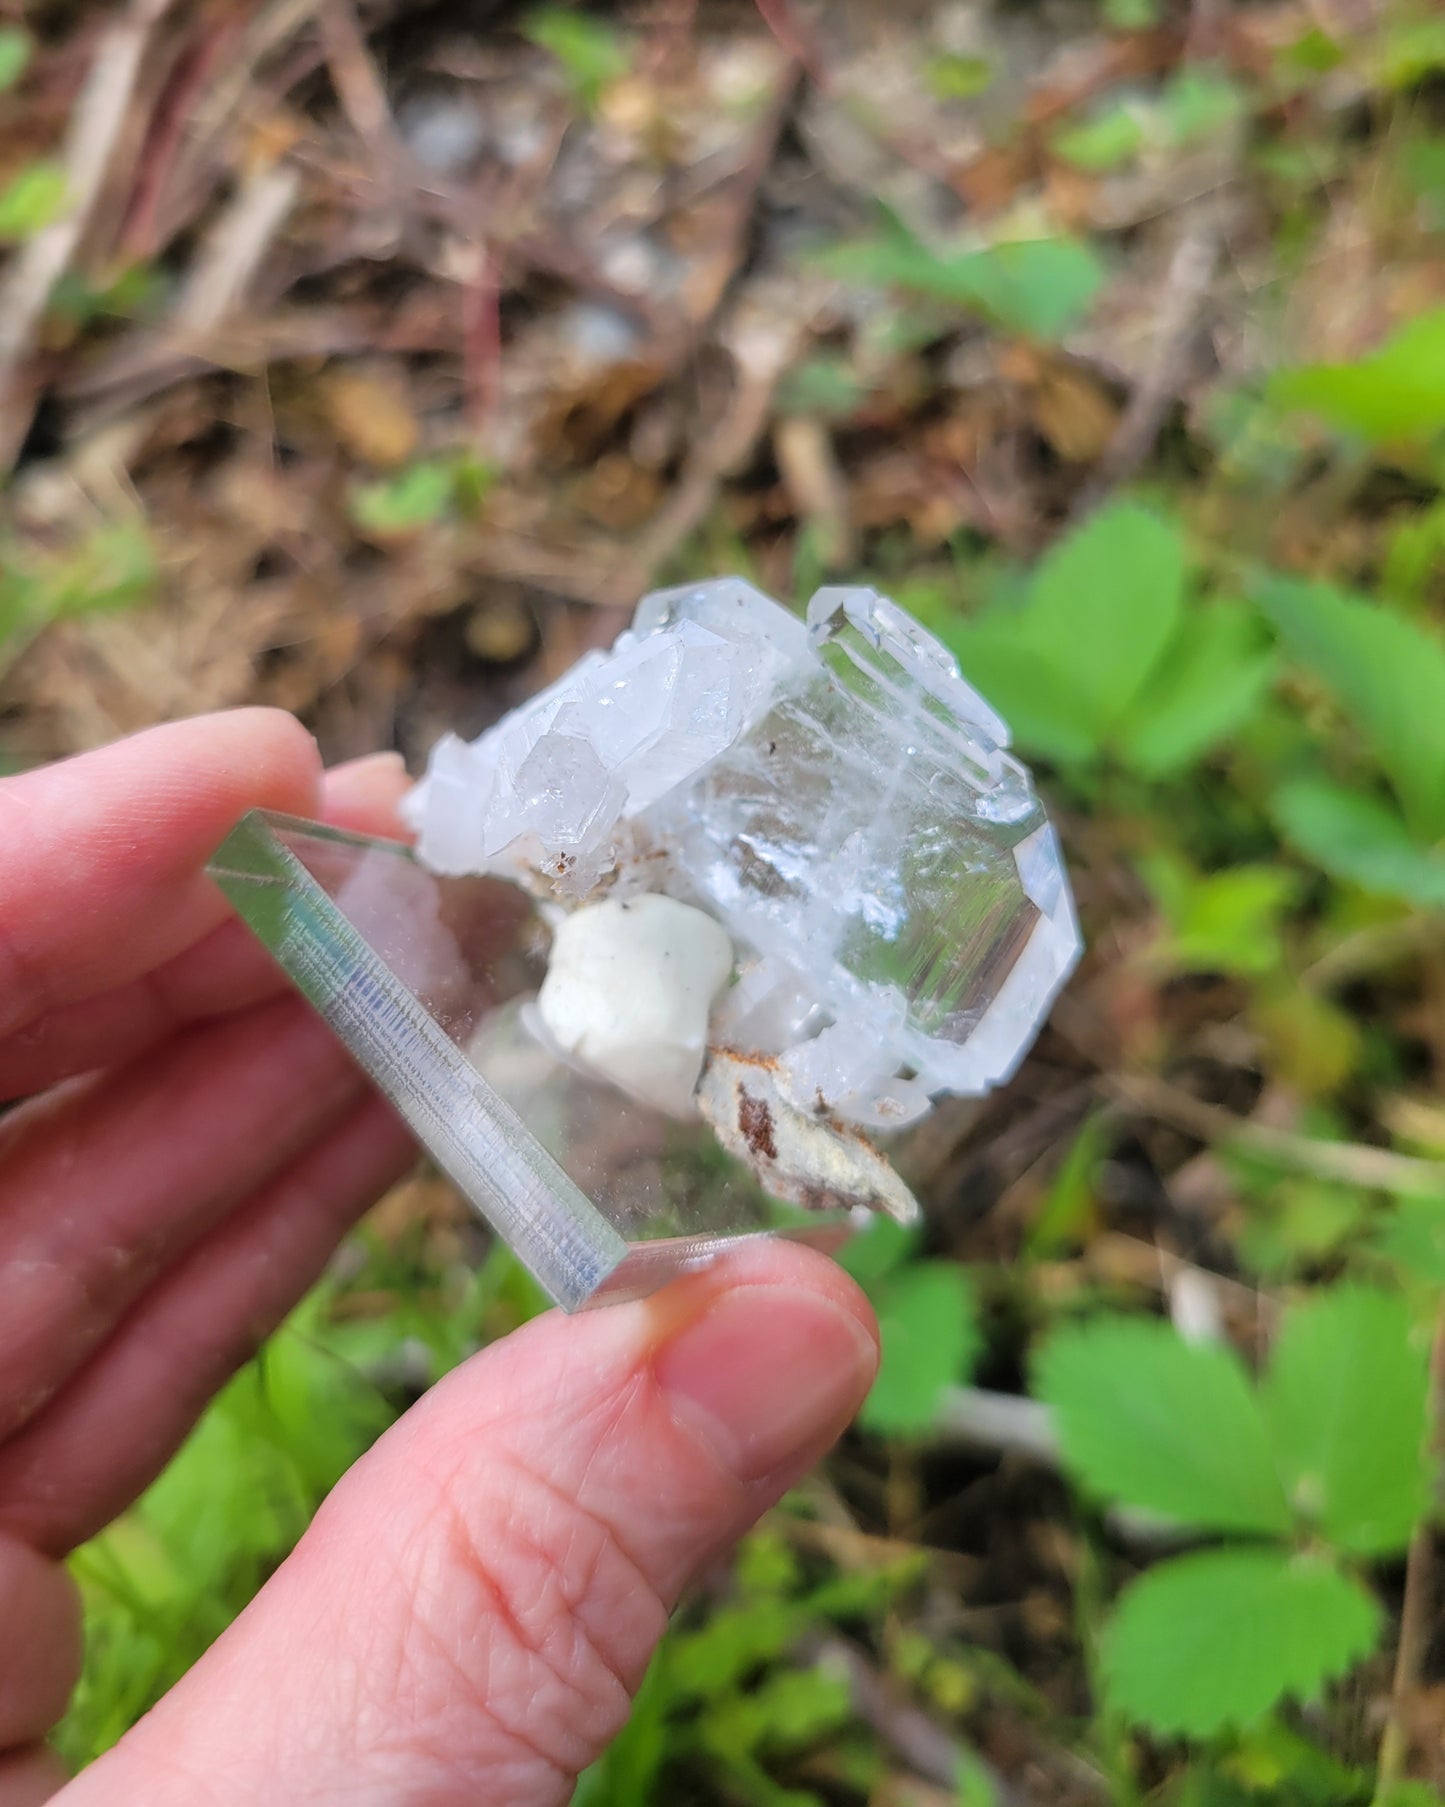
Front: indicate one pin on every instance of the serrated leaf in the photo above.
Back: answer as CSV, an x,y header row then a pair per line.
x,y
1210,678
1355,837
1344,1397
1162,1425
1389,675
1396,393
928,1315
1212,1641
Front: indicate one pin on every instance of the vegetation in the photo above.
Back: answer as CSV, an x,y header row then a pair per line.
x,y
1110,341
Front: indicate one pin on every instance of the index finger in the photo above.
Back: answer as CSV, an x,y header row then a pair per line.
x,y
102,878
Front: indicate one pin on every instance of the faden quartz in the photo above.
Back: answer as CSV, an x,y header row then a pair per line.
x,y
833,793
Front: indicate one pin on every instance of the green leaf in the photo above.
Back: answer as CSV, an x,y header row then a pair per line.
x,y
1104,142
876,1251
1068,1208
928,1315
1199,102
1396,393
1106,602
15,49
953,77
593,53
1389,674
1213,1641
1047,715
1225,922
1344,1398
32,199
1162,1425
1039,286
1131,15
1211,677
786,1711
1355,837
1412,1237
406,503
1068,665
1413,49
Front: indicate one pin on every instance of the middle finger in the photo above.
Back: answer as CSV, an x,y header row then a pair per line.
x,y
104,1182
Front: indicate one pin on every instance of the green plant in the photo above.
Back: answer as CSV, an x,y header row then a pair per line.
x,y
1314,1470
32,198
1194,104
16,47
1388,674
1036,286
395,508
1110,656
167,1577
112,566
929,1321
729,1691
592,53
1225,922
1396,393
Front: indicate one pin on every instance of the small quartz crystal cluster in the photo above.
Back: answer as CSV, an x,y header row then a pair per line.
x,y
865,906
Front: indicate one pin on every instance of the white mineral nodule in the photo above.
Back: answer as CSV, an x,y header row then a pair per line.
x,y
628,992
833,793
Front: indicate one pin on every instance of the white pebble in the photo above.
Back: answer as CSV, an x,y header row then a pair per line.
x,y
628,991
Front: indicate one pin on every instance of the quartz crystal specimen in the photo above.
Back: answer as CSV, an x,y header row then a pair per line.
x,y
831,792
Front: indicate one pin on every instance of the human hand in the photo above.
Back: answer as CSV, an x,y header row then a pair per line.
x,y
474,1606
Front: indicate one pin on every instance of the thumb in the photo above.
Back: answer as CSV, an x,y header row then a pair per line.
x,y
476,1603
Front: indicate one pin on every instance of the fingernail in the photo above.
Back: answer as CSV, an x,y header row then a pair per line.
x,y
768,1374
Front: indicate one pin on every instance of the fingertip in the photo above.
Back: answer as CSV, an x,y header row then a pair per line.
x,y
767,1261
771,1362
364,795
266,753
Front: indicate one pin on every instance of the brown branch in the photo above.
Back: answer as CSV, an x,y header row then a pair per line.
x,y
95,130
1186,288
1348,1163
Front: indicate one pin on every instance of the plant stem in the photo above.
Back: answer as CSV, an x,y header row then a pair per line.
x,y
1415,1612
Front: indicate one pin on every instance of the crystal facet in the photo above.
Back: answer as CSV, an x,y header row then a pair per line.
x,y
833,792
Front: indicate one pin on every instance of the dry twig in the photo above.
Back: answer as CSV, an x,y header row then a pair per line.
x,y
1186,288
1347,1163
95,130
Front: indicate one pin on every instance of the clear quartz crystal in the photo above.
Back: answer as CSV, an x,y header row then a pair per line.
x,y
833,792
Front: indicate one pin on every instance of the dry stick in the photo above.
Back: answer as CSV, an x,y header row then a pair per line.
x,y
95,129
1186,284
1416,1614
232,252
1350,1163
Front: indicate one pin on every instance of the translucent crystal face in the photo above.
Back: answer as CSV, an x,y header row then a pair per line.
x,y
832,792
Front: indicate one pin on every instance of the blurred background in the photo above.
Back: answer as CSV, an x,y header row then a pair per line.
x,y
371,360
